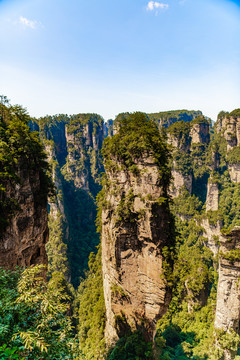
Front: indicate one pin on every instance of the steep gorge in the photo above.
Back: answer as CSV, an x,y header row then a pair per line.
x,y
154,289
73,145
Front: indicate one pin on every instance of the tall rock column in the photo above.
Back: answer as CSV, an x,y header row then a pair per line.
x,y
228,125
212,196
84,136
228,293
137,228
180,141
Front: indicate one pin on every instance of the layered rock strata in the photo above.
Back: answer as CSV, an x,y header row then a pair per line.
x,y
134,287
137,228
23,241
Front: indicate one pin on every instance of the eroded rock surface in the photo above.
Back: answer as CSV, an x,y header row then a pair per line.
x,y
179,181
229,126
200,133
234,172
136,294
212,196
213,234
228,292
23,241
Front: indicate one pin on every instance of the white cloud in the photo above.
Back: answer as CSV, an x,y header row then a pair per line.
x,y
154,5
27,23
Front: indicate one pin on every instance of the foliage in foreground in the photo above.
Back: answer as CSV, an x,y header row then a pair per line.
x,y
19,148
133,346
35,321
92,311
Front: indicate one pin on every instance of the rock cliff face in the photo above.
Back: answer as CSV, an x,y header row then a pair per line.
x,y
188,142
212,232
131,252
229,127
234,172
56,205
200,133
24,187
180,142
212,196
135,229
84,137
75,144
179,181
23,241
228,294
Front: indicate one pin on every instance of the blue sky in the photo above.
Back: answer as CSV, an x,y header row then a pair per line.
x,y
109,56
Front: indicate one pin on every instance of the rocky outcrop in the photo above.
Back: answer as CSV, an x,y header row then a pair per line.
x,y
108,127
180,181
212,234
174,141
212,196
56,204
84,136
234,172
200,132
229,127
228,293
137,231
134,288
180,142
23,241
215,160
188,142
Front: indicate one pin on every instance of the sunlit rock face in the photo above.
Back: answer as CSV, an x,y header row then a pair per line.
x,y
136,294
228,293
200,133
234,172
229,127
179,181
212,196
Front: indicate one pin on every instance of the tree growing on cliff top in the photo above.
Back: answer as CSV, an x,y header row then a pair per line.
x,y
137,136
18,144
